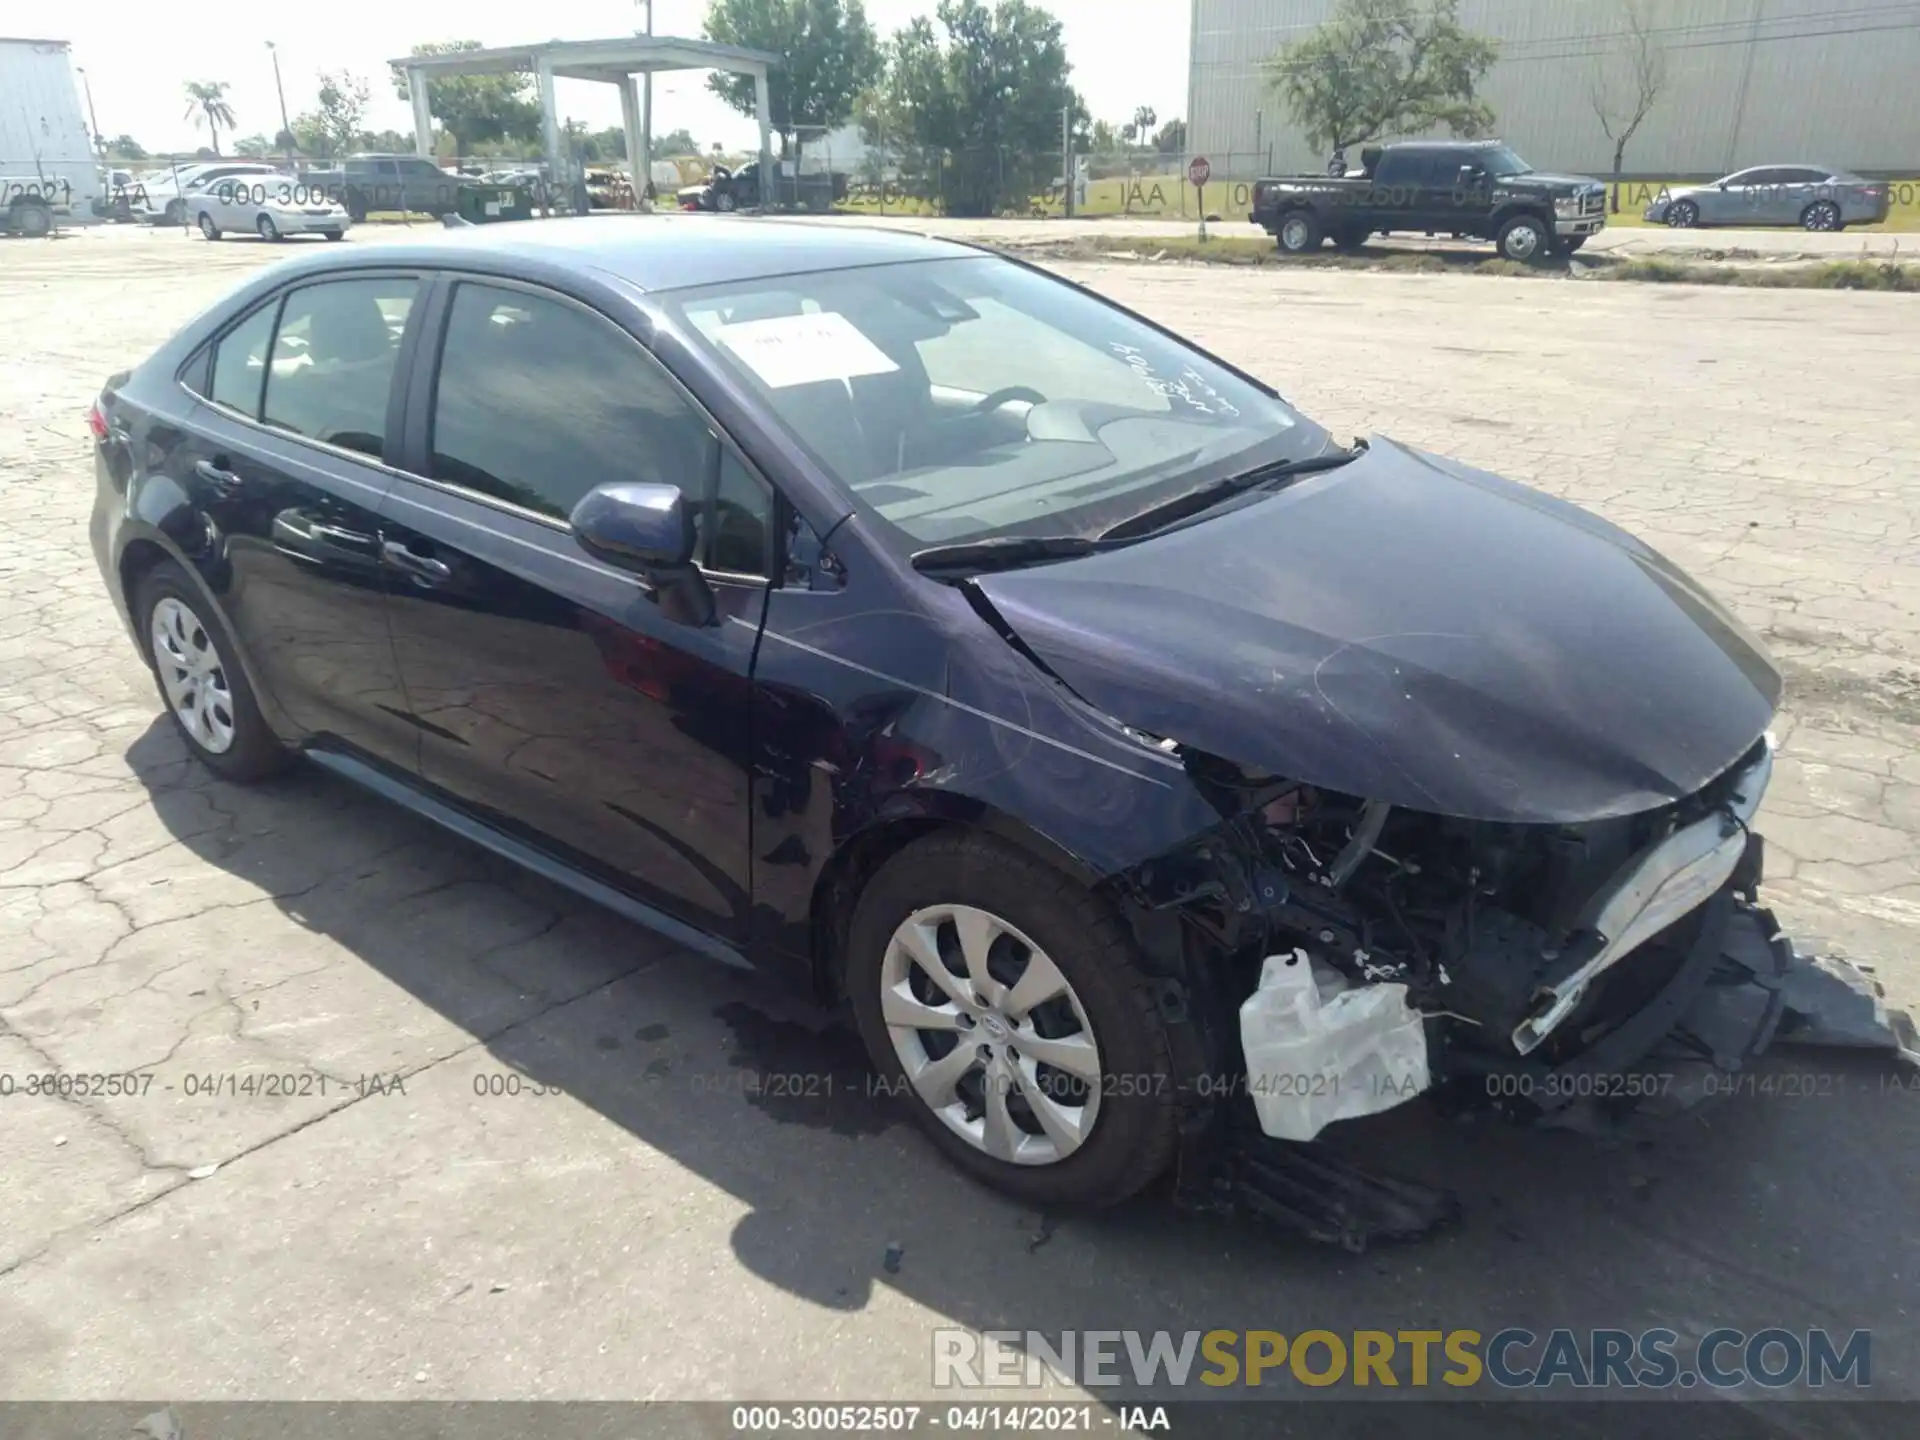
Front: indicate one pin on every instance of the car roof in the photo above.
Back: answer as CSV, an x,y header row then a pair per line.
x,y
677,252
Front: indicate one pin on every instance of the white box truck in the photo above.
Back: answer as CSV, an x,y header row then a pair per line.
x,y
48,171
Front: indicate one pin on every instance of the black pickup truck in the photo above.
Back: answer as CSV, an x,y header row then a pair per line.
x,y
1476,190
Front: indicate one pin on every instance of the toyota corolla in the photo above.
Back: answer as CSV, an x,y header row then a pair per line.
x,y
890,616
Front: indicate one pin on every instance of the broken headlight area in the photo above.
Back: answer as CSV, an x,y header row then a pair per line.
x,y
1523,950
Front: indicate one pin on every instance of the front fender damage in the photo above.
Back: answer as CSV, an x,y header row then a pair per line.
x,y
1592,976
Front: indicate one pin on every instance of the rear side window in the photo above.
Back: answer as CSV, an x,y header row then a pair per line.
x,y
240,363
537,402
333,359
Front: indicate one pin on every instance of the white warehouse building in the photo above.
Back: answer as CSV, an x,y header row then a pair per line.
x,y
1747,81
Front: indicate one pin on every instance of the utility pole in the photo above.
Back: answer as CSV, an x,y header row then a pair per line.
x,y
99,140
1066,161
286,130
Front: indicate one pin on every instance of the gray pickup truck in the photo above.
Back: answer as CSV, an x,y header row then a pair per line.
x,y
1477,190
364,183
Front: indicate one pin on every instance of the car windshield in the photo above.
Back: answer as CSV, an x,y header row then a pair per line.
x,y
963,399
1501,161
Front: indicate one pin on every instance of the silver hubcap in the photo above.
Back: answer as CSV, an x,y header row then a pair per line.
x,y
1522,242
1681,218
990,1034
192,676
1294,234
1820,218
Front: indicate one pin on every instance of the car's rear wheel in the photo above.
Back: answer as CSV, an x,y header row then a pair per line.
x,y
1572,244
1525,240
268,230
1683,215
334,234
198,671
207,227
32,218
1821,215
175,213
1008,1009
1299,233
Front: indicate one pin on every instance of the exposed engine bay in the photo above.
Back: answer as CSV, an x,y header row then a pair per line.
x,y
1539,966
1513,938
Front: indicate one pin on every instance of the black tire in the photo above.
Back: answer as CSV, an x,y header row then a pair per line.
x,y
356,207
268,230
1572,244
175,213
207,227
1133,1134
255,753
1683,215
1351,237
1525,240
1299,232
1823,216
334,234
723,203
31,218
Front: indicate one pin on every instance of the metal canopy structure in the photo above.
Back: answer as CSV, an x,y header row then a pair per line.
x,y
613,62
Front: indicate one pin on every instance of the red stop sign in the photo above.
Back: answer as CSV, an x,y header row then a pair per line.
x,y
1198,170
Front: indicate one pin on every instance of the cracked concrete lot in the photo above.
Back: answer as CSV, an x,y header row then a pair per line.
x,y
476,1138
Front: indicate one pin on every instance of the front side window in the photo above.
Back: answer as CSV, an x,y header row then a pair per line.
x,y
1499,160
333,359
538,402
960,399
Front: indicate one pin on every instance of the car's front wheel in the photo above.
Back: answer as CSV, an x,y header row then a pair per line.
x,y
268,230
1524,239
200,678
1009,1010
207,227
1683,215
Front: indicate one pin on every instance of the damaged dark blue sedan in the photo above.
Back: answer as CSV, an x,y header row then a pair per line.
x,y
1139,765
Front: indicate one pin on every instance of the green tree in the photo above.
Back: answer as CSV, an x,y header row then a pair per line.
x,y
207,105
476,109
828,58
253,146
1141,126
1628,84
344,98
987,88
675,142
125,147
1171,138
1385,67
311,136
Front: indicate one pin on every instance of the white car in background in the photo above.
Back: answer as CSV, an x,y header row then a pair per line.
x,y
161,197
272,206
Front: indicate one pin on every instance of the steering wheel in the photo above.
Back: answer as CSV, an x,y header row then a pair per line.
x,y
990,403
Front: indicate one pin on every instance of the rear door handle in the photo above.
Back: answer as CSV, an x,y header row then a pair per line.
x,y
221,479
420,567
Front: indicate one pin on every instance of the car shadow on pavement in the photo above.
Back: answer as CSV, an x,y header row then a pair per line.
x,y
1787,1206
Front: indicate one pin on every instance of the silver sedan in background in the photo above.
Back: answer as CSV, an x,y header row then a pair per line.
x,y
1814,197
270,206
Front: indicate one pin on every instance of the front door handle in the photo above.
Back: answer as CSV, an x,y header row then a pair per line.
x,y
421,567
219,477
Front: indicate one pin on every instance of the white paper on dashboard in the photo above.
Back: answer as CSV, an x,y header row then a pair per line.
x,y
802,349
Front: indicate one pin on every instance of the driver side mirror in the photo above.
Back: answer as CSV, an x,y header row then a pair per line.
x,y
1472,174
1722,185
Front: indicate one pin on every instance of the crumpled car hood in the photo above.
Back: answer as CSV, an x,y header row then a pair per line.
x,y
1412,630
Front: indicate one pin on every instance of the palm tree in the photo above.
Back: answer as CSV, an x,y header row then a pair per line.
x,y
207,100
1142,124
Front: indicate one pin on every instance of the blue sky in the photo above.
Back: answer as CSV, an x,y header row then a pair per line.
x,y
138,57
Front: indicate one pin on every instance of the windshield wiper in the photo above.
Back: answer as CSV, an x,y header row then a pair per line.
x,y
1004,552
1194,502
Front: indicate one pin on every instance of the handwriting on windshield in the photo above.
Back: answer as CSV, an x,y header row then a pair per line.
x,y
1190,388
